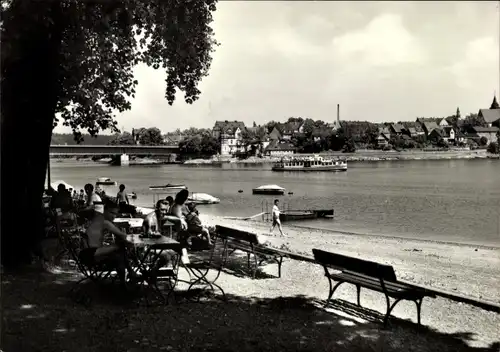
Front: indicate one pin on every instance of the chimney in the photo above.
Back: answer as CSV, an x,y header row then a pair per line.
x,y
338,115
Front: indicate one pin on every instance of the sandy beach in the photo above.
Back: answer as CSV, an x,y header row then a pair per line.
x,y
468,270
462,269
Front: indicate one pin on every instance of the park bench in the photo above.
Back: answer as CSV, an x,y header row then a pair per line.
x,y
370,275
247,242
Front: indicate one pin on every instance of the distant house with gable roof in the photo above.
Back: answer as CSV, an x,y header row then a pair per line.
x,y
491,116
229,134
279,148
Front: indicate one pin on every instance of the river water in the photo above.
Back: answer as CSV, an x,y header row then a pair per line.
x,y
445,200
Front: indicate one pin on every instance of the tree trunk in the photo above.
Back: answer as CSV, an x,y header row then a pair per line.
x,y
29,96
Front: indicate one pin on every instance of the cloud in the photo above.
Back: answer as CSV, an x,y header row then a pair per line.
x,y
481,63
383,42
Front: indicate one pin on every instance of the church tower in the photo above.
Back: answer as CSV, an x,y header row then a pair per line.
x,y
457,115
495,105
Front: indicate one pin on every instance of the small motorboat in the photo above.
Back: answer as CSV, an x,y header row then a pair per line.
x,y
203,198
132,195
105,181
168,186
269,189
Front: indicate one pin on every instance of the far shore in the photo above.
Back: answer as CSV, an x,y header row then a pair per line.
x,y
358,156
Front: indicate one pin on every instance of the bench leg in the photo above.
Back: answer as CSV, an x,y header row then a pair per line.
x,y
332,291
418,303
256,267
279,266
358,291
389,308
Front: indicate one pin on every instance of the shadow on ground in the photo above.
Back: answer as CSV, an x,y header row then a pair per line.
x,y
237,264
38,316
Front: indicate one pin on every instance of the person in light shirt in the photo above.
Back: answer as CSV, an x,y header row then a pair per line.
x,y
276,217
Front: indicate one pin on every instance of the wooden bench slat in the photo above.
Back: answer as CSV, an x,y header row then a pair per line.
x,y
392,284
374,284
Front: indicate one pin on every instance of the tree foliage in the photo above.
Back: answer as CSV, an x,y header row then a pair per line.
x,y
493,148
100,44
199,145
72,61
124,138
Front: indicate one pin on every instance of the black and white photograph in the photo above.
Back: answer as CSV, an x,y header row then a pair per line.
x,y
204,175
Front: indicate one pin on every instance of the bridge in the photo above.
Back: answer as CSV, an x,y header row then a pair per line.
x,y
123,151
79,149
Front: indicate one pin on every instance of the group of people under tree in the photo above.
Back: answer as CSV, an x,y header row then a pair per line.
x,y
99,215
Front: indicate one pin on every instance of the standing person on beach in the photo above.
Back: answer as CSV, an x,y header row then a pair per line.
x,y
276,217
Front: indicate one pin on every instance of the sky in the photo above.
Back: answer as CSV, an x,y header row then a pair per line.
x,y
381,61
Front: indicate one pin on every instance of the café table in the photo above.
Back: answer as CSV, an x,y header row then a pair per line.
x,y
146,254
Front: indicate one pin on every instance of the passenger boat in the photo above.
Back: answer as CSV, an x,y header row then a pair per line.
x,y
269,189
314,163
168,186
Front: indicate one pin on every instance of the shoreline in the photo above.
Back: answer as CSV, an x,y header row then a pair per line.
x,y
467,269
363,156
425,240
358,156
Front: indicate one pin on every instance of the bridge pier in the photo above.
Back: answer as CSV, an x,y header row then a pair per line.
x,y
124,160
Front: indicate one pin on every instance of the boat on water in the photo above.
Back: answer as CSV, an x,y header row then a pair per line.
x,y
203,198
55,184
269,189
294,215
168,186
313,163
105,181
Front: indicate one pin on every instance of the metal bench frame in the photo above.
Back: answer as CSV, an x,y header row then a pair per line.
x,y
247,242
370,275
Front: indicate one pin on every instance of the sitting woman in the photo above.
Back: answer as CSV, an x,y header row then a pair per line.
x,y
194,225
180,210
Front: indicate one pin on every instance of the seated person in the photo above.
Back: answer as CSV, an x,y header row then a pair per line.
x,y
62,199
170,202
95,251
177,209
91,198
152,222
180,210
194,224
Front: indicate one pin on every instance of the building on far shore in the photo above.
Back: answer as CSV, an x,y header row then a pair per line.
x,y
229,134
491,116
490,133
276,148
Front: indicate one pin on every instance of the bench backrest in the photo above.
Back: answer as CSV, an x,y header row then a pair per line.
x,y
239,235
345,263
